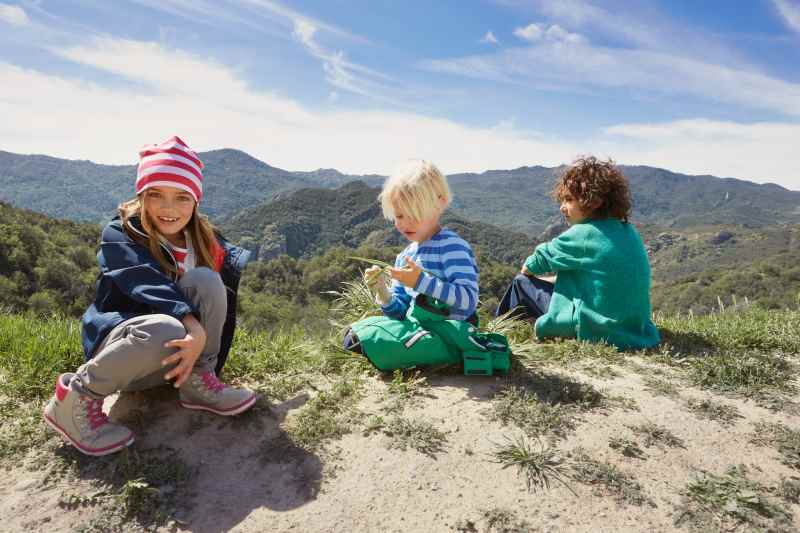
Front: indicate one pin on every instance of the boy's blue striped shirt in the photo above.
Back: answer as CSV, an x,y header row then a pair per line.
x,y
452,277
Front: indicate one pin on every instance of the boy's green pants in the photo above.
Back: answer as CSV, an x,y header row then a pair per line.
x,y
426,337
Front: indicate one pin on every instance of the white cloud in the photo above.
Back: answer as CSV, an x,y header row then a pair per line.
x,y
764,151
489,38
578,64
210,106
13,15
790,13
532,32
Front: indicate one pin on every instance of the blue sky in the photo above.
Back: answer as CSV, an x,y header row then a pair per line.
x,y
696,87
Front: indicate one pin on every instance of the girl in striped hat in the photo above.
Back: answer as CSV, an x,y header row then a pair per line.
x,y
165,308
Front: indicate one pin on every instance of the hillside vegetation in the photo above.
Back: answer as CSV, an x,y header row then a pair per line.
x,y
305,223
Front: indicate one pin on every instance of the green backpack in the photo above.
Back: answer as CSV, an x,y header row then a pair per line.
x,y
426,337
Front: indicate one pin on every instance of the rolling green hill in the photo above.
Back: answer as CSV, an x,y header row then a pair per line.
x,y
306,222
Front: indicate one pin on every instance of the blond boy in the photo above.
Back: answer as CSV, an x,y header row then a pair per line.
x,y
437,262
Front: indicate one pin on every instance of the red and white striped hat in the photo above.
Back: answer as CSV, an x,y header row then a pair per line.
x,y
170,164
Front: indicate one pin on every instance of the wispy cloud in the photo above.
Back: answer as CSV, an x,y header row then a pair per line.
x,y
274,18
790,13
13,15
642,57
489,38
212,106
172,86
538,32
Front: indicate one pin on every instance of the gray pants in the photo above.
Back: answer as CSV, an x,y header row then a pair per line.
x,y
129,358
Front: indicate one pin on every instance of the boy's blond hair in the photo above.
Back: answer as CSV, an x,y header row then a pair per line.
x,y
415,189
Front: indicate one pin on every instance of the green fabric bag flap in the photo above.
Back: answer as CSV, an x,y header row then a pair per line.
x,y
390,343
428,337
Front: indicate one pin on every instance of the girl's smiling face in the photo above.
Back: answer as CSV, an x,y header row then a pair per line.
x,y
169,209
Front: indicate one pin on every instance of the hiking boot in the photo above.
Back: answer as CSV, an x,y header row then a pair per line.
x,y
206,392
80,419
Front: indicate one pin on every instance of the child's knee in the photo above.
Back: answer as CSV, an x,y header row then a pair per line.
x,y
205,282
156,330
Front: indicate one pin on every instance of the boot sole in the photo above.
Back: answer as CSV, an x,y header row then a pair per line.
x,y
235,410
96,452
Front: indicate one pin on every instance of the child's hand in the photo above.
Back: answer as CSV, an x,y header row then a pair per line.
x,y
408,275
376,281
189,349
525,271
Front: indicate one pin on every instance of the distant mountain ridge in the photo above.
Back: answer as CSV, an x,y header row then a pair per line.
x,y
517,199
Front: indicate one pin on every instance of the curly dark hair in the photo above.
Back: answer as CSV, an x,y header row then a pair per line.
x,y
589,180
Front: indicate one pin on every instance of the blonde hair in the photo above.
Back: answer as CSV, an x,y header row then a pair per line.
x,y
201,231
416,189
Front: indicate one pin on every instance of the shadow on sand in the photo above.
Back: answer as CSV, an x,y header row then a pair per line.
x,y
210,472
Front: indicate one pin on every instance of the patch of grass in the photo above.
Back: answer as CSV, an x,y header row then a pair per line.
x,y
505,521
789,489
654,434
496,520
21,430
33,351
536,465
568,352
711,410
353,302
627,447
776,401
135,487
330,414
406,387
721,503
661,387
557,389
420,435
750,330
781,437
600,371
522,408
607,478
743,372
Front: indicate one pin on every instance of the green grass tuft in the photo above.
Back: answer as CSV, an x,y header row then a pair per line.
x,y
537,466
627,447
607,478
660,436
711,410
781,437
722,503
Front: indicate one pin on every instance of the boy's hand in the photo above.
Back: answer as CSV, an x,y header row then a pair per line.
x,y
376,281
408,275
525,271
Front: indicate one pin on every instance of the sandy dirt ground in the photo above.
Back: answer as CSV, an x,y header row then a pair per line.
x,y
246,475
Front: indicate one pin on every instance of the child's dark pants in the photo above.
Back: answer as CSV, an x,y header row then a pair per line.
x,y
528,297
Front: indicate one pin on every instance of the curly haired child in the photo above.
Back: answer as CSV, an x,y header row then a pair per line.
x,y
165,307
602,287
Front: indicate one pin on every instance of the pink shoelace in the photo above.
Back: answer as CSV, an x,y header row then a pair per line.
x,y
94,411
212,382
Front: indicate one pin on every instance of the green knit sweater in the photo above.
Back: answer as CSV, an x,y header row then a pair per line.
x,y
602,291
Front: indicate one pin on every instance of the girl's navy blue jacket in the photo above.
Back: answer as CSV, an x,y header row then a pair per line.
x,y
131,283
